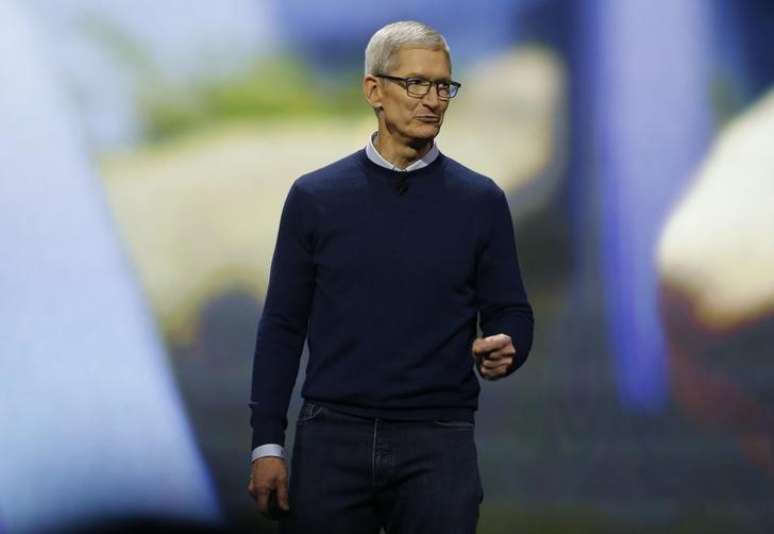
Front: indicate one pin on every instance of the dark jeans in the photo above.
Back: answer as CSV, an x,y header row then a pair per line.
x,y
353,475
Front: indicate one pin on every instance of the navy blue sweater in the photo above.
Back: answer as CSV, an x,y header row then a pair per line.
x,y
388,288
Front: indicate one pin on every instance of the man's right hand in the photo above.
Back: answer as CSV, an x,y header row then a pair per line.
x,y
269,474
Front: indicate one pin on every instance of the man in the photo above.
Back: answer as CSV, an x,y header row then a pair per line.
x,y
386,257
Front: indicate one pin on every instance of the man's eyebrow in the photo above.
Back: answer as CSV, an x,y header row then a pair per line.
x,y
416,75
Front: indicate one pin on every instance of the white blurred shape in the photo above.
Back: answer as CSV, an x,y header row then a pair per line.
x,y
718,245
91,423
508,120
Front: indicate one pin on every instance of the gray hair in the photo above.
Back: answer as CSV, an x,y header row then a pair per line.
x,y
385,43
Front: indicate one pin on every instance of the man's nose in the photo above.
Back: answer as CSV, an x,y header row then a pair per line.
x,y
431,98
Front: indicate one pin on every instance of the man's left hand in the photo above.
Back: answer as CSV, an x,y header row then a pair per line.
x,y
493,355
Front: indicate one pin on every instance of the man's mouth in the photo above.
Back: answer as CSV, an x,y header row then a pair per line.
x,y
428,118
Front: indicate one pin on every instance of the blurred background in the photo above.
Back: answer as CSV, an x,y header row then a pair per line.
x,y
146,149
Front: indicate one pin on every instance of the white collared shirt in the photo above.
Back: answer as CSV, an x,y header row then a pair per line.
x,y
377,158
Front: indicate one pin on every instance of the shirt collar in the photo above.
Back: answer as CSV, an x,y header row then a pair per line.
x,y
377,158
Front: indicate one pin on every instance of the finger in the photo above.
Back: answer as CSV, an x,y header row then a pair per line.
x,y
480,357
482,372
263,499
488,344
499,371
478,347
500,362
497,341
494,371
252,489
485,372
497,362
482,344
507,350
495,356
282,494
483,353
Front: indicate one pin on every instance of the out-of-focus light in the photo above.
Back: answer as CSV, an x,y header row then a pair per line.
x,y
718,245
91,423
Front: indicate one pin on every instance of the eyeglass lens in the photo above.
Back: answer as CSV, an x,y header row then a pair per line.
x,y
421,88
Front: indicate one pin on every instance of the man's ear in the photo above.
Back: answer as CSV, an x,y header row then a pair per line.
x,y
372,91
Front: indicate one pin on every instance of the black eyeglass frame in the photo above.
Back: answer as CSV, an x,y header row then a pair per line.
x,y
406,81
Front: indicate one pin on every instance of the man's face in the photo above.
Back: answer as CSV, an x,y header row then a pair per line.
x,y
412,117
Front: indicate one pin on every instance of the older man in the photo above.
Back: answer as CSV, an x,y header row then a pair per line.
x,y
387,257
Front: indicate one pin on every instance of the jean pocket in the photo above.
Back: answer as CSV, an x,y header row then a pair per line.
x,y
309,411
465,425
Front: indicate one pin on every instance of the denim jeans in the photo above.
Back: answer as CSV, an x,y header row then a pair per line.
x,y
355,475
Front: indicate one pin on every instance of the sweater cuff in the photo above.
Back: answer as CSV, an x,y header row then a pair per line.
x,y
268,430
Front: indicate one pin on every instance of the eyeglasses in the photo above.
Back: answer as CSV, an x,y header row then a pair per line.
x,y
419,87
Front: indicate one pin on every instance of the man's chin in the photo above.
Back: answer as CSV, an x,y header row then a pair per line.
x,y
426,132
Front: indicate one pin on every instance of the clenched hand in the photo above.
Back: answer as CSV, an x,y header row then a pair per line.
x,y
493,355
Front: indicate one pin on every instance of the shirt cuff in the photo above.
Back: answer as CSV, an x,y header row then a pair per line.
x,y
269,449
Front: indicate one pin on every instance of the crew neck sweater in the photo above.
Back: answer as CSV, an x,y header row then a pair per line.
x,y
386,288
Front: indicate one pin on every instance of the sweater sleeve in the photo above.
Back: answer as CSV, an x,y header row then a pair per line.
x,y
283,324
503,304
